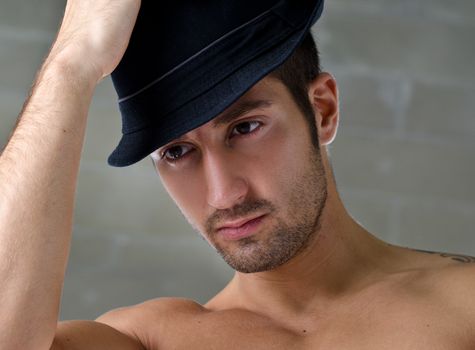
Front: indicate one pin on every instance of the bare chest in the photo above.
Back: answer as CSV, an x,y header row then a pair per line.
x,y
362,329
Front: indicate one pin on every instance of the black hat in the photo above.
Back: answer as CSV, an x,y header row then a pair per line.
x,y
188,60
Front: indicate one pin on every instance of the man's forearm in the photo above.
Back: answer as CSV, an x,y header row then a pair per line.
x,y
38,174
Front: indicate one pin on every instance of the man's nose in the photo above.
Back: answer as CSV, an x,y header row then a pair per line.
x,y
226,186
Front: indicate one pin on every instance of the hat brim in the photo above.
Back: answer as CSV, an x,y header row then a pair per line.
x,y
136,145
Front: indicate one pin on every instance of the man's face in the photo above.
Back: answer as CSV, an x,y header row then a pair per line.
x,y
257,161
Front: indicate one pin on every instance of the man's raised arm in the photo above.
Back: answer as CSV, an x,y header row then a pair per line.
x,y
39,167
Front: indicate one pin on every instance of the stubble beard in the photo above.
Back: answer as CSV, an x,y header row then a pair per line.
x,y
286,239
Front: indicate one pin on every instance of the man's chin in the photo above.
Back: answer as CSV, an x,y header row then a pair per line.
x,y
248,258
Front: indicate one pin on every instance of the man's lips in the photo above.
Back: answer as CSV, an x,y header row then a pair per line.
x,y
237,223
239,229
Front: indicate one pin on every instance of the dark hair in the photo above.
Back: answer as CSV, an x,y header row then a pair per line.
x,y
296,73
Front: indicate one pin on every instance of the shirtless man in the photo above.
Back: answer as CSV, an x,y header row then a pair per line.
x,y
309,277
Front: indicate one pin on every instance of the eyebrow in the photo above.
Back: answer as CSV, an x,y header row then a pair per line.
x,y
238,110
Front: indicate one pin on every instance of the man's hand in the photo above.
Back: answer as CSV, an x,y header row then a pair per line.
x,y
95,33
39,167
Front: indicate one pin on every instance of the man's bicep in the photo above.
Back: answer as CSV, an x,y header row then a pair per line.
x,y
92,335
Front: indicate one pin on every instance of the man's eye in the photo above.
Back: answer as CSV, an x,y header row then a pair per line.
x,y
175,153
245,128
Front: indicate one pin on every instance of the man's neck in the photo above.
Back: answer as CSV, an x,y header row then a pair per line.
x,y
342,259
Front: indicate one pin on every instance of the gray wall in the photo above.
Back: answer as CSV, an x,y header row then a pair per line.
x,y
403,157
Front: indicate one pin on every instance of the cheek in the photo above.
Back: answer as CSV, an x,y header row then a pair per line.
x,y
185,192
282,155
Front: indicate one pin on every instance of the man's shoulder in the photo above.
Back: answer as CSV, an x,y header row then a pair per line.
x,y
455,281
153,309
446,279
442,269
141,320
142,326
169,304
453,291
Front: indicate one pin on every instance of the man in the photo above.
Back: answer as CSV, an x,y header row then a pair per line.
x,y
257,183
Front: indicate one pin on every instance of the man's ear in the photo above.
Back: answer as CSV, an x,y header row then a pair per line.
x,y
323,94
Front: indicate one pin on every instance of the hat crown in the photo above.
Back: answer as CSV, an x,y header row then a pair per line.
x,y
168,33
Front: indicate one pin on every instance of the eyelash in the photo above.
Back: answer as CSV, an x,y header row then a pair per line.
x,y
164,152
